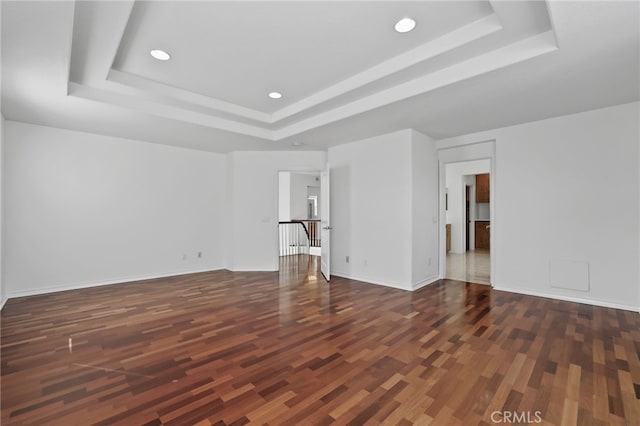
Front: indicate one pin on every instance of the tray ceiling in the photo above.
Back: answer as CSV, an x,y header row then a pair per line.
x,y
342,69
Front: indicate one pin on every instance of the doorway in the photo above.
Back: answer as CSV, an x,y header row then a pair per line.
x,y
468,221
300,203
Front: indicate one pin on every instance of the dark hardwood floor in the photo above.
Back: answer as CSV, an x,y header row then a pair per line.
x,y
270,348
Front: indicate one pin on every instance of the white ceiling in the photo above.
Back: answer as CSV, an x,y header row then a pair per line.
x,y
240,51
344,72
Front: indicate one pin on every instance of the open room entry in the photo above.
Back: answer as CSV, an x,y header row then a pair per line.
x,y
467,182
468,223
300,206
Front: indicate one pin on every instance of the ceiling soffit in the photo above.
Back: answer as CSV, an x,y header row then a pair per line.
x,y
509,33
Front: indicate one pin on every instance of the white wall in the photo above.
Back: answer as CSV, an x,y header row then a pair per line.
x,y
3,292
567,189
371,209
284,196
293,193
83,209
455,183
253,198
314,190
299,193
424,165
482,211
381,192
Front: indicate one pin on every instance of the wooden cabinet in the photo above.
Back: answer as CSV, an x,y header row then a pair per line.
x,y
483,234
482,188
448,228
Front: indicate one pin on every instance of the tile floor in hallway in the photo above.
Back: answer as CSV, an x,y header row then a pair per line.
x,y
473,266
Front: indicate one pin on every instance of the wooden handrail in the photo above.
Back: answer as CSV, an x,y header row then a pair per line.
x,y
306,231
312,234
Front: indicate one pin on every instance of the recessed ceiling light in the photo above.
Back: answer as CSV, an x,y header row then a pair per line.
x,y
160,55
275,95
405,25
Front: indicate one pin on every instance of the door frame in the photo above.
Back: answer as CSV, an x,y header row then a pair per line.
x,y
307,171
481,150
467,216
325,224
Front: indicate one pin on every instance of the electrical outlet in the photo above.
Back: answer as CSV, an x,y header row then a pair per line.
x,y
200,255
347,259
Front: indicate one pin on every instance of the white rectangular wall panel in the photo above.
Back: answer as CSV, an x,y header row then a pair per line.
x,y
569,274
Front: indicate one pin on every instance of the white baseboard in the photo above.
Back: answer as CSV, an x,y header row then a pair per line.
x,y
602,303
412,287
252,269
426,282
370,280
89,284
3,301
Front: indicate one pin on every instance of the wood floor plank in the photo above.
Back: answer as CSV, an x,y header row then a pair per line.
x,y
287,348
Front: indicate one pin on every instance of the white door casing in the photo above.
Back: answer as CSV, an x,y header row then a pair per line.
x,y
325,224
